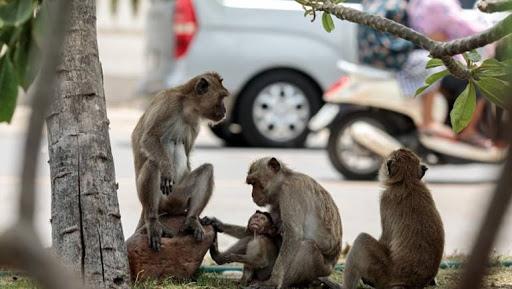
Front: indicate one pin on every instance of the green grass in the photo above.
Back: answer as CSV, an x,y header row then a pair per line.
x,y
9,280
498,278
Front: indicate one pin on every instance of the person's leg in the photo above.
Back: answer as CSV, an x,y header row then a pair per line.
x,y
410,78
429,126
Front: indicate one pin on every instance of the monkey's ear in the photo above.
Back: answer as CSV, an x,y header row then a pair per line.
x,y
201,86
274,164
423,170
389,164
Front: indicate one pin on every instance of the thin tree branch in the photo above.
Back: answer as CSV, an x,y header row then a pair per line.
x,y
461,45
437,49
476,266
491,6
40,95
456,68
392,27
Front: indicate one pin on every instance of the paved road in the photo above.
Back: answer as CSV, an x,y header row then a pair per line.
x,y
461,193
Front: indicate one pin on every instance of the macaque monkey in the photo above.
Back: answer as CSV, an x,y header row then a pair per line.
x,y
409,251
256,247
162,141
307,219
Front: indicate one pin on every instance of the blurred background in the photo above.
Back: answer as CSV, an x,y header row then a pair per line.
x,y
282,70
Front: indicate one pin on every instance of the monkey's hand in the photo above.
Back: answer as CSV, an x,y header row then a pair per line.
x,y
166,179
214,222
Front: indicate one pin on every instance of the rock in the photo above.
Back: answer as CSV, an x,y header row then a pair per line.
x,y
179,257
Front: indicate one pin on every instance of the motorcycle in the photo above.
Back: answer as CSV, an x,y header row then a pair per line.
x,y
368,117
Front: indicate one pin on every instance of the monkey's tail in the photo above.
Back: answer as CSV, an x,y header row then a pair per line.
x,y
327,282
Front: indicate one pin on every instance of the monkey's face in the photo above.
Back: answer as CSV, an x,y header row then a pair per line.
x,y
209,97
261,175
402,165
260,223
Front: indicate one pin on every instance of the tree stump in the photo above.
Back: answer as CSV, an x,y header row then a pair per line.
x,y
179,257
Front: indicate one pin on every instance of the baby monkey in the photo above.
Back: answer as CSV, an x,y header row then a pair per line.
x,y
256,248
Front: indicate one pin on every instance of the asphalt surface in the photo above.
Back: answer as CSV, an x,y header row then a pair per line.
x,y
461,192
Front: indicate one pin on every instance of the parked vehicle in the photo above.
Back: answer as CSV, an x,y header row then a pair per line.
x,y
368,117
275,62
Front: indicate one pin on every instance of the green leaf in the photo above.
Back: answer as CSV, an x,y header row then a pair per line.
x,y
434,62
496,90
21,55
473,55
421,89
436,76
8,89
327,22
463,108
492,68
431,79
16,12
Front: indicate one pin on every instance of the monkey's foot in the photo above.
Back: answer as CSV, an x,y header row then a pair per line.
x,y
155,232
193,225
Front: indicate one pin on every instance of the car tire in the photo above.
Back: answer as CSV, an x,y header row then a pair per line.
x,y
307,92
337,130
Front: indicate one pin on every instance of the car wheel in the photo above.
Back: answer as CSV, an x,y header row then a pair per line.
x,y
275,108
352,160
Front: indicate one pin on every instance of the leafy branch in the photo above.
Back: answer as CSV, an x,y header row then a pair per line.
x,y
491,77
20,46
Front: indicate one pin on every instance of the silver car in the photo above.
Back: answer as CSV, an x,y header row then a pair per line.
x,y
275,62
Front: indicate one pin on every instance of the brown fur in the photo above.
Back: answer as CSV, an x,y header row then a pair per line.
x,y
162,142
410,249
307,219
256,249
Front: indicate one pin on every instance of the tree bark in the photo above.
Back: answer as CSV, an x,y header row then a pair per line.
x,y
86,222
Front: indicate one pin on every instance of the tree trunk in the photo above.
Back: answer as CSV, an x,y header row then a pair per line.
x,y
86,222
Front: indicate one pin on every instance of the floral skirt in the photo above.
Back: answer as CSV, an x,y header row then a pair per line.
x,y
413,73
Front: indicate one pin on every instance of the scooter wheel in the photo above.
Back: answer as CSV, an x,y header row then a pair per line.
x,y
352,160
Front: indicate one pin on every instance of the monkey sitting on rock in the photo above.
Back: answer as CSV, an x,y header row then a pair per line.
x,y
257,247
162,142
409,251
